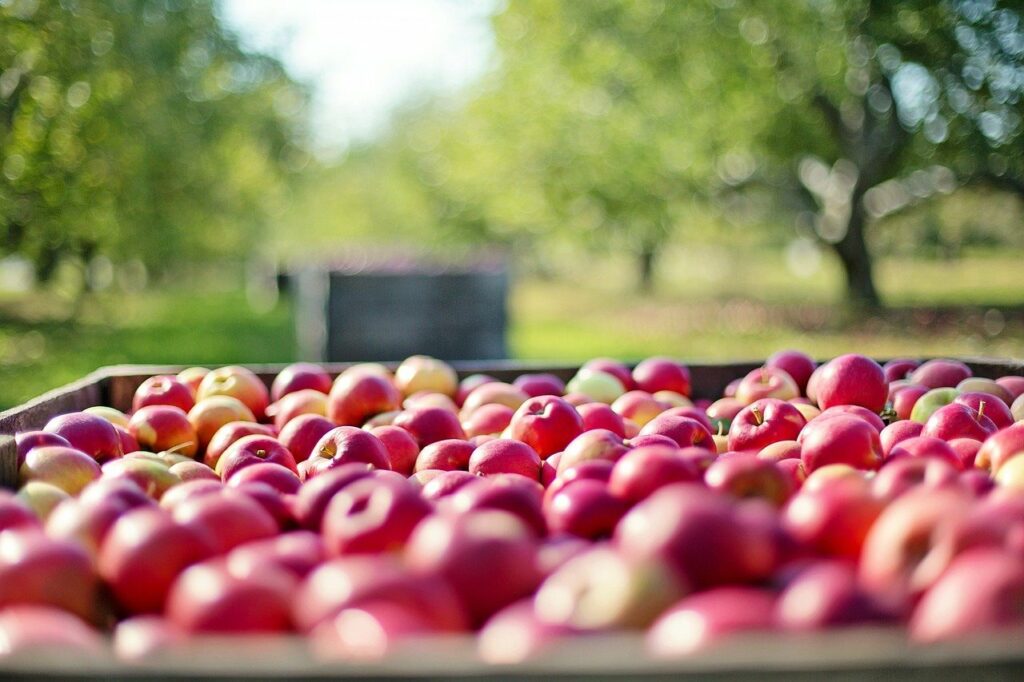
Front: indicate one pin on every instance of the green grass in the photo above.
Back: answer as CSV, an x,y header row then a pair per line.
x,y
712,305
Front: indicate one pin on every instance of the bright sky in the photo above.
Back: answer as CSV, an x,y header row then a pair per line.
x,y
365,57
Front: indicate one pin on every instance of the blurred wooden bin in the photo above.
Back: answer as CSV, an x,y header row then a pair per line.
x,y
855,654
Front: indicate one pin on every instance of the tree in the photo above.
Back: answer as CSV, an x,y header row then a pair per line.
x,y
137,130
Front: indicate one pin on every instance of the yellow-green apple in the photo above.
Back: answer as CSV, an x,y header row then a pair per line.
x,y
852,380
301,434
896,432
613,367
744,475
641,471
402,449
638,406
447,455
940,373
764,422
1011,474
424,373
826,594
228,434
493,392
808,411
903,554
303,401
516,634
193,470
980,593
192,377
842,439
905,399
590,445
833,519
957,420
372,516
1017,409
662,374
601,416
546,423
315,494
250,450
144,552
505,456
586,509
685,431
604,589
228,516
600,386
700,534
343,445
798,365
925,447
673,399
899,368
488,558
93,435
67,468
429,424
487,420
207,598
357,396
468,384
702,620
766,382
112,415
209,414
538,384
984,403
239,383
299,376
37,569
160,428
154,477
41,497
903,473
26,440
163,390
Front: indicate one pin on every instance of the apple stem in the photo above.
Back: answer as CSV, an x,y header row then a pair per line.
x,y
757,415
721,428
981,410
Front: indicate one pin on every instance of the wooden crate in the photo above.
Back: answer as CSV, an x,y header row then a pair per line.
x,y
851,654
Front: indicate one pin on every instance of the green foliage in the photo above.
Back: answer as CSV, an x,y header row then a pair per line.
x,y
137,130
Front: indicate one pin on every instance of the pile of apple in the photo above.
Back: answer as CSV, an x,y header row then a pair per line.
x,y
377,508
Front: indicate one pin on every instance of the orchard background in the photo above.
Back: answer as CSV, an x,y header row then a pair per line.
x,y
711,179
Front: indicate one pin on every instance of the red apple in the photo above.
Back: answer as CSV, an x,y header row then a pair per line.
x,y
488,419
643,470
764,422
780,451
292,405
903,473
36,569
904,399
281,478
691,412
357,396
958,421
854,411
662,374
210,414
539,384
469,383
300,376
446,483
143,553
341,446
143,638
794,363
987,388
999,447
489,558
686,432
508,493
424,373
940,373
251,450
229,517
160,428
515,634
595,444
163,390
370,516
14,513
430,424
638,406
613,367
1014,385
189,489
207,598
746,475
898,369
314,495
369,632
31,631
236,382
192,471
852,380
896,432
446,455
989,406
699,533
826,594
297,553
192,377
723,411
67,468
833,518
153,477
546,423
26,440
586,508
92,435
494,393
766,382
925,447
966,450
402,449
301,435
842,439
601,416
701,620
228,434
504,455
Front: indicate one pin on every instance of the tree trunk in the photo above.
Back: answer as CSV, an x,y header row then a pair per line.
x,y
853,254
645,265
